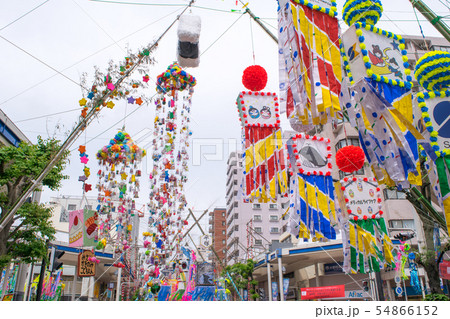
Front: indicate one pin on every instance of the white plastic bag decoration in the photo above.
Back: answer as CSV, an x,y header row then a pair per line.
x,y
189,27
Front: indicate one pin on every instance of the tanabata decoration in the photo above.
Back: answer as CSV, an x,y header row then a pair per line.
x,y
311,190
83,228
433,74
309,60
118,186
263,156
366,243
189,27
388,138
86,171
350,158
170,145
118,83
376,60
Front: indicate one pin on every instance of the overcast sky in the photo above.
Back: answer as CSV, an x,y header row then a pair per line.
x,y
73,36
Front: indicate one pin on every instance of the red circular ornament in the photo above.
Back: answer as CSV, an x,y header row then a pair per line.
x,y
254,78
350,158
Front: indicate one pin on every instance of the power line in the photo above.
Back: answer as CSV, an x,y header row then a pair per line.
x,y
36,58
223,33
91,55
42,116
143,4
23,15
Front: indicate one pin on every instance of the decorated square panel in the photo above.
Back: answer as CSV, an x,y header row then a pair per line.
x,y
435,107
259,109
312,154
370,52
362,198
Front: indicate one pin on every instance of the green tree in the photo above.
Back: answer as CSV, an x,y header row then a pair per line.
x,y
18,167
242,275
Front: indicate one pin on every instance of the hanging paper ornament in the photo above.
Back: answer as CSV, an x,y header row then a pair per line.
x,y
311,190
175,78
254,78
432,70
367,246
121,157
189,27
350,158
170,165
264,173
368,11
309,60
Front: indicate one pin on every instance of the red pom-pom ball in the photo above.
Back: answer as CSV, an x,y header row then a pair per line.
x,y
350,158
254,78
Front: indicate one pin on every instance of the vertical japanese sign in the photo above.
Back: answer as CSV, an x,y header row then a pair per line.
x,y
86,268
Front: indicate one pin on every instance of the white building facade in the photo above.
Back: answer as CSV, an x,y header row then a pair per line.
x,y
250,227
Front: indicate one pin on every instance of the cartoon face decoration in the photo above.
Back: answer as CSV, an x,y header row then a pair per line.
x,y
312,154
360,187
265,113
253,112
258,109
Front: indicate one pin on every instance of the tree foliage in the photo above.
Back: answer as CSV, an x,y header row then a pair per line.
x,y
242,275
19,166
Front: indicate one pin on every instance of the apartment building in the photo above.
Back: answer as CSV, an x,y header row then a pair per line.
x,y
218,231
250,227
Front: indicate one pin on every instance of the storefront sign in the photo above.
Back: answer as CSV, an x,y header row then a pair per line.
x,y
85,267
334,268
444,268
323,292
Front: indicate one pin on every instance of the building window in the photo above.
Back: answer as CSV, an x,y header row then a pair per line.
x,y
223,214
258,230
223,232
257,218
88,207
402,223
223,241
256,206
274,230
346,142
273,218
393,194
273,206
71,207
224,251
258,242
223,223
64,217
236,227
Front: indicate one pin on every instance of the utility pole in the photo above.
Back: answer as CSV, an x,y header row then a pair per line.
x,y
433,18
